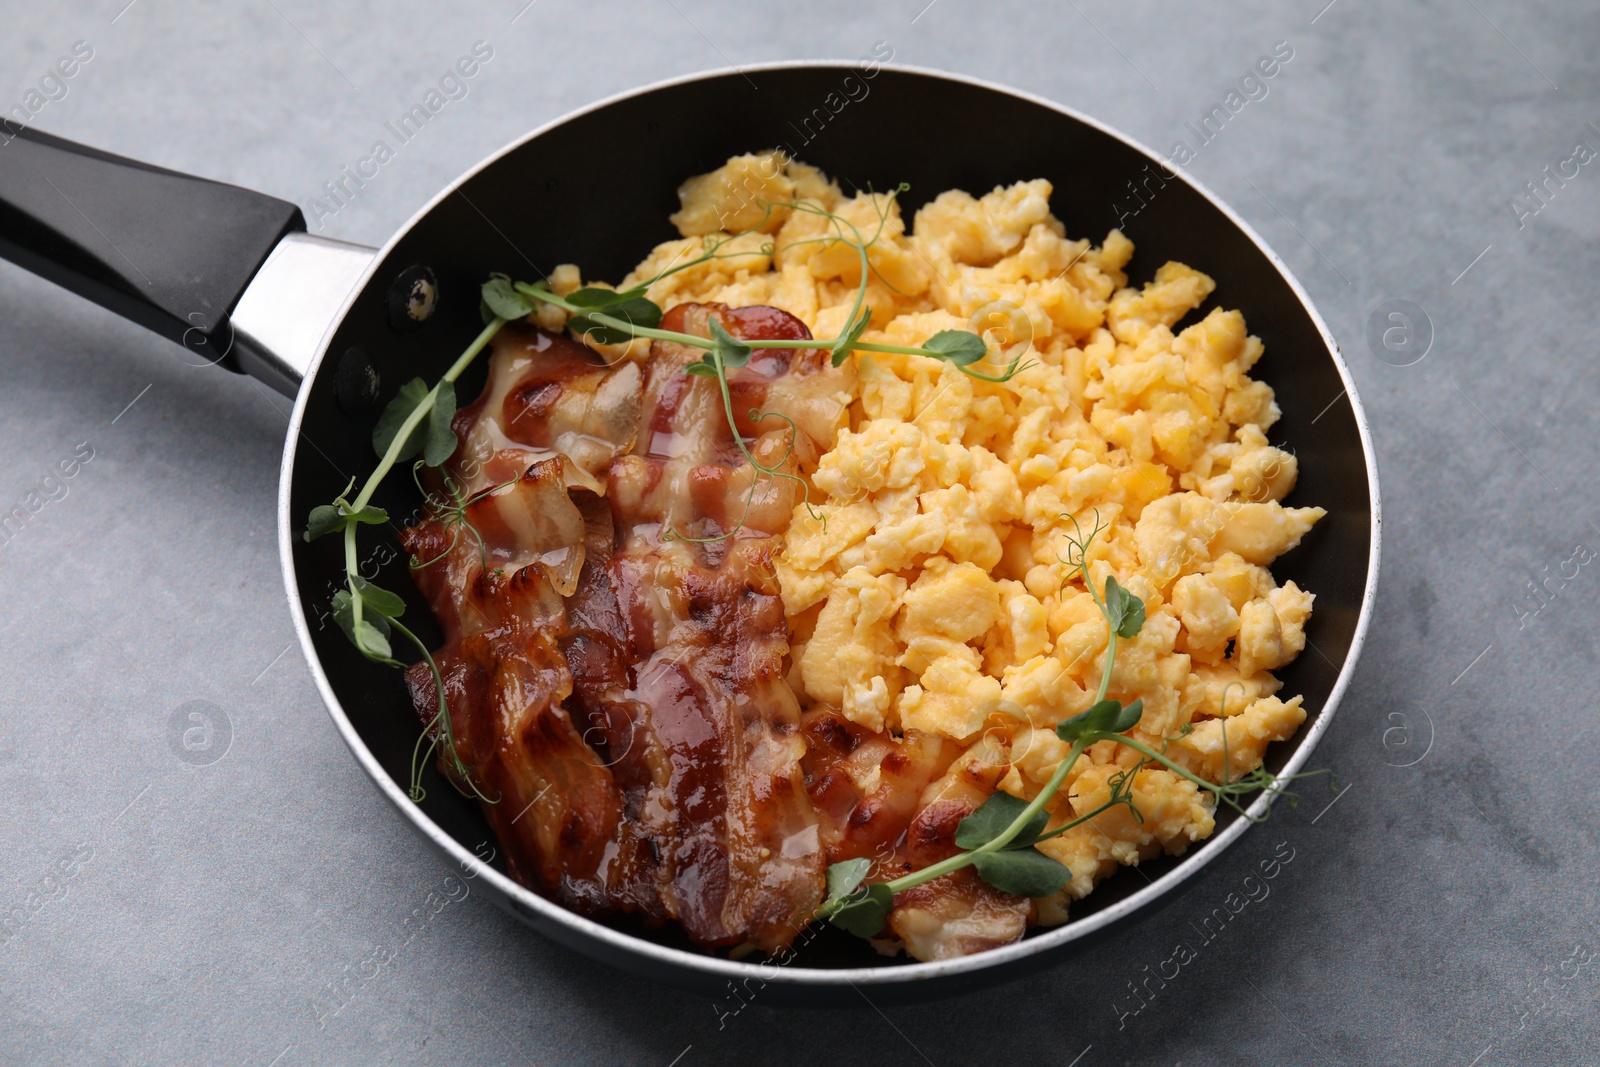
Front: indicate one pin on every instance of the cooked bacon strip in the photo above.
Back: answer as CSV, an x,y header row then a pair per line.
x,y
545,395
867,787
505,685
686,473
530,521
957,915
726,809
624,688
907,821
596,647
740,859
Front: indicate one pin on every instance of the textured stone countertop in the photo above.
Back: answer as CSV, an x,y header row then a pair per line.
x,y
1441,911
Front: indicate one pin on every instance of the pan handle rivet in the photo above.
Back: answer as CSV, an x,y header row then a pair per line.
x,y
413,298
356,382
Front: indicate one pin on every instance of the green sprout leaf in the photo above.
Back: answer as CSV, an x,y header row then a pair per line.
x,y
841,349
995,817
371,636
379,600
1128,717
1107,716
702,367
394,416
1025,872
1124,610
630,306
734,352
332,518
845,876
325,519
440,441
368,615
501,298
957,346
598,298
861,912
865,913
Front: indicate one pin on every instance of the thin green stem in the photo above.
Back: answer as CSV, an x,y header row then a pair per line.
x,y
677,337
727,408
1146,750
966,859
652,333
1012,370
1105,675
1107,806
861,290
351,568
756,467
713,251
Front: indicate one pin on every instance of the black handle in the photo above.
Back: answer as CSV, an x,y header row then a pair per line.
x,y
170,251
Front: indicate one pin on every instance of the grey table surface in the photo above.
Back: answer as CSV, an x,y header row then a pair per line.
x,y
1441,911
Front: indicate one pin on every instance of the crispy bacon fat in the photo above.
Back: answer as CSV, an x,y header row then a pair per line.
x,y
613,664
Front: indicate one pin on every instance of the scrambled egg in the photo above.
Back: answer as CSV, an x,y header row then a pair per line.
x,y
935,595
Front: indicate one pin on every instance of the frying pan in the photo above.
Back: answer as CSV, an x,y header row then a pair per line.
x,y
230,275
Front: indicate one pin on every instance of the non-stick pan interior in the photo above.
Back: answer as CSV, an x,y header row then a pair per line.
x,y
596,190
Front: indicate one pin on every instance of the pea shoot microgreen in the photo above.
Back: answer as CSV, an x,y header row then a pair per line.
x,y
999,839
416,420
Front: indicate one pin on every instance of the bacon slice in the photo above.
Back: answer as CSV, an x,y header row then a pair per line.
x,y
617,672
545,395
709,710
956,915
529,521
505,685
898,803
868,787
